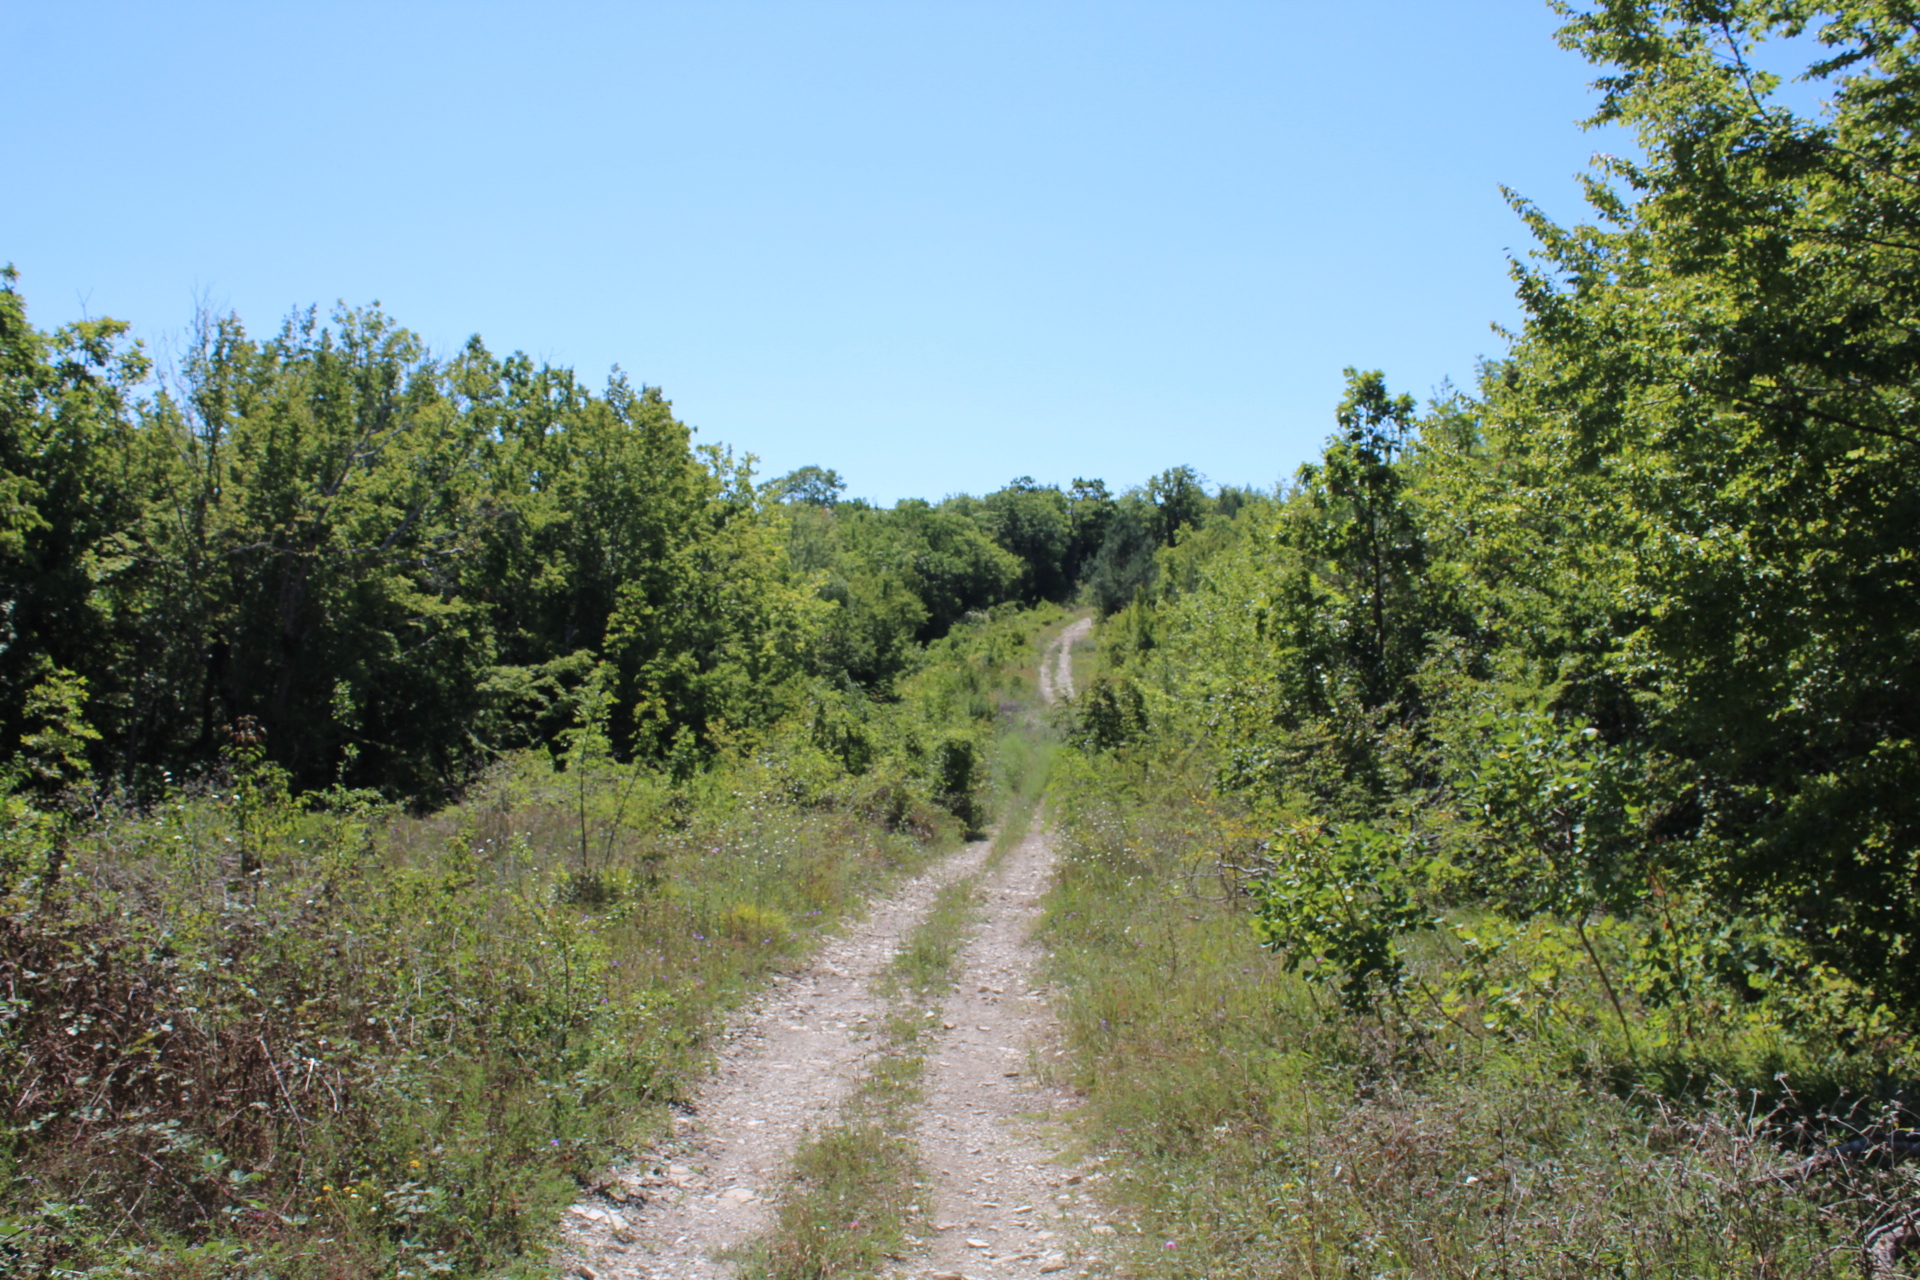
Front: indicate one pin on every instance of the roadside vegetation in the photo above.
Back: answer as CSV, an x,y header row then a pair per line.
x,y
404,755
1495,854
255,1033
1490,1116
859,1193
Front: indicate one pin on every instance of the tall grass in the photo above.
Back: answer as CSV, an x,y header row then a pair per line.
x,y
247,1035
1266,1130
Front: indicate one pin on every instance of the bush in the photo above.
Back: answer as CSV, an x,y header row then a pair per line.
x,y
1491,1118
255,1034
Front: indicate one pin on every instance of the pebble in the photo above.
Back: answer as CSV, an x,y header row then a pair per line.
x,y
990,1161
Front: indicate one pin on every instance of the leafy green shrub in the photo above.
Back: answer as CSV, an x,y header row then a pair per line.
x,y
1109,715
958,780
1492,1115
1338,901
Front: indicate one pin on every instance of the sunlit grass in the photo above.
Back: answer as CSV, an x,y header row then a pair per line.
x,y
1262,1130
403,1044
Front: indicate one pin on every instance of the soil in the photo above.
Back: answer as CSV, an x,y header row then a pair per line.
x,y
991,1132
1056,666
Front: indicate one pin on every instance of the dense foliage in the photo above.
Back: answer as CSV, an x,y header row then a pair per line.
x,y
1499,852
400,565
1631,630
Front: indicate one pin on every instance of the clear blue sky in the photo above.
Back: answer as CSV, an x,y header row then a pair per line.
x,y
932,246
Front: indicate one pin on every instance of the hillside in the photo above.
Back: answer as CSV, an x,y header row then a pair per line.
x,y
1494,849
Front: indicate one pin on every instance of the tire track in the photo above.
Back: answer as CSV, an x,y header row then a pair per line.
x,y
783,1067
1002,1206
992,1130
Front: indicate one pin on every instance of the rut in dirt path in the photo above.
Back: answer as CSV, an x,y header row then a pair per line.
x,y
993,1129
1056,666
790,1060
784,1068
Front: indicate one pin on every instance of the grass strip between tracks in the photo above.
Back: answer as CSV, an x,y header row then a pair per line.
x,y
857,1185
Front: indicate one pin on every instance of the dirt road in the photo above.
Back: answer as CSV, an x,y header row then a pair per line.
x,y
1056,666
989,1133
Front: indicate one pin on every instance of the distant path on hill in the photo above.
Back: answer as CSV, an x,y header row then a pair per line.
x,y
990,1132
993,1129
1056,666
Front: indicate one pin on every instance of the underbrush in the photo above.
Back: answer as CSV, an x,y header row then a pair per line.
x,y
1495,1119
247,1033
256,1037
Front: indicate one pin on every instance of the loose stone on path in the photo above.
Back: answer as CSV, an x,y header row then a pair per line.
x,y
989,1131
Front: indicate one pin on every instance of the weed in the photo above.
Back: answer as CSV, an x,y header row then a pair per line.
x,y
250,1034
1263,1128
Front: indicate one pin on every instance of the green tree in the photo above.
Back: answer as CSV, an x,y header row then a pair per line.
x,y
1089,508
76,475
1179,502
336,505
953,565
715,642
1356,519
808,486
860,562
1719,372
1032,523
1123,569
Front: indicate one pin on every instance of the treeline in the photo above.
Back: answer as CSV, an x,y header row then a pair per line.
x,y
395,567
1631,631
